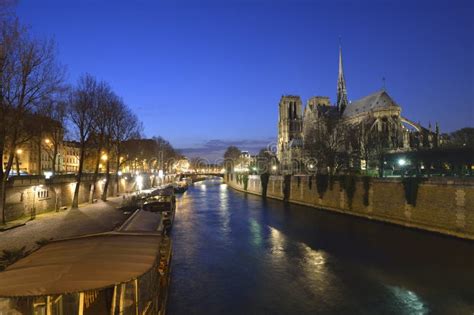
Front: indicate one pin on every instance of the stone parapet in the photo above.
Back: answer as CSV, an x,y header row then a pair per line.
x,y
442,205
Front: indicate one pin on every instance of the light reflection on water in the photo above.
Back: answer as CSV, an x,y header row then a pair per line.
x,y
237,254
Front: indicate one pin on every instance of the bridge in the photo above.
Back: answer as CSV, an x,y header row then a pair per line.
x,y
195,176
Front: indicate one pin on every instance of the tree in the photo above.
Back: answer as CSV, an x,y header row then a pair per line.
x,y
165,153
53,113
231,157
378,137
232,153
29,73
125,126
462,138
82,109
101,132
266,159
326,143
198,163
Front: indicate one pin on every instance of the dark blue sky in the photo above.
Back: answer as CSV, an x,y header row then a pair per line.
x,y
196,71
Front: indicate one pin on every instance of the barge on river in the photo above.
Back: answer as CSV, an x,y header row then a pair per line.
x,y
162,201
126,271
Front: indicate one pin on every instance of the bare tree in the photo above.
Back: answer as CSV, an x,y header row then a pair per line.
x,y
231,158
29,73
113,110
125,126
53,112
376,141
82,109
326,143
101,131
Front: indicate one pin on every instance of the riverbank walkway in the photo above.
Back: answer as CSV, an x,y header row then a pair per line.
x,y
89,218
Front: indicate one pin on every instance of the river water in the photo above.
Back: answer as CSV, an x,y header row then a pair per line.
x,y
235,253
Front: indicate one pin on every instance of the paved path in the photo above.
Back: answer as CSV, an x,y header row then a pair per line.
x,y
95,218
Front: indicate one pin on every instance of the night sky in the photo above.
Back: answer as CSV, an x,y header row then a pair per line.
x,y
208,74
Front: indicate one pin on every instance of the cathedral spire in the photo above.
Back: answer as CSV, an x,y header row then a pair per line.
x,y
341,85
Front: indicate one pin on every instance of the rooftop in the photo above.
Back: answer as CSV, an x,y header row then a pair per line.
x,y
377,100
85,263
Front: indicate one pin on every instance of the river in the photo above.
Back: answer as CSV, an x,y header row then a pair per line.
x,y
236,253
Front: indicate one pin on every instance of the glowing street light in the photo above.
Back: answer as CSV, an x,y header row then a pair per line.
x,y
274,167
47,141
19,151
104,157
402,162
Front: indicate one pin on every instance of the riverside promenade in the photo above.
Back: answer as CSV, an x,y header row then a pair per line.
x,y
89,218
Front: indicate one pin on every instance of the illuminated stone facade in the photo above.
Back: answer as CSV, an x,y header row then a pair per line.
x,y
376,113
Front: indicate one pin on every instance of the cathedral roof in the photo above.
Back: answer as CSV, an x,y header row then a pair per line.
x,y
377,100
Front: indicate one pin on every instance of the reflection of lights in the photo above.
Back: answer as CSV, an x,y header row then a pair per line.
x,y
104,180
278,242
409,299
256,230
402,162
119,173
48,174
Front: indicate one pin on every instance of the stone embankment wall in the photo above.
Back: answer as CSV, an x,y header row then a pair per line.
x,y
439,205
27,195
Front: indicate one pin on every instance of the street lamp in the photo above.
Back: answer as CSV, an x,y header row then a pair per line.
x,y
33,210
402,162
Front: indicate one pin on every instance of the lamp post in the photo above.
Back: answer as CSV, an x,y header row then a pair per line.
x,y
33,209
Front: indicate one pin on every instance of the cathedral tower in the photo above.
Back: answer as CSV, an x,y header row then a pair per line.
x,y
341,86
290,126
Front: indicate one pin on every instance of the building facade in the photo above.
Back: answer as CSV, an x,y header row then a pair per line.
x,y
360,130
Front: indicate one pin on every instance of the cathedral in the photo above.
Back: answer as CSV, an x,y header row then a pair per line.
x,y
373,124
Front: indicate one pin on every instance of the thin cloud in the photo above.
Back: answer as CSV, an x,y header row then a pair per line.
x,y
213,150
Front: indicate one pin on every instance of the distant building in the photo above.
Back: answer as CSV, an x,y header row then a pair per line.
x,y
39,149
376,116
70,157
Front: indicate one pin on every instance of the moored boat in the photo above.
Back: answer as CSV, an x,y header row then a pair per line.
x,y
164,202
121,272
180,187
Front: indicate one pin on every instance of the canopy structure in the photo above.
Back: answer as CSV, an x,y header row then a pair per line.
x,y
80,264
142,221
